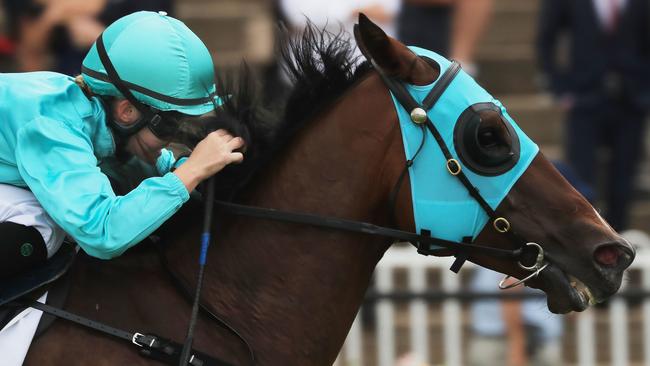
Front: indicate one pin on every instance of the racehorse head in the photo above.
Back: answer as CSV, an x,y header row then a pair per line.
x,y
473,173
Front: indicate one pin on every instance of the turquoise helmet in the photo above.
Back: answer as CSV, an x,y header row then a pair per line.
x,y
152,59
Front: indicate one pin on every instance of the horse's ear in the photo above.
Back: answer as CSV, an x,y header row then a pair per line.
x,y
374,43
394,58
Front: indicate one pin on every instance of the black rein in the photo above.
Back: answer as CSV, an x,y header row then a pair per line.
x,y
423,243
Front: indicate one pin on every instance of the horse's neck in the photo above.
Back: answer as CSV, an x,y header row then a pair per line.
x,y
293,289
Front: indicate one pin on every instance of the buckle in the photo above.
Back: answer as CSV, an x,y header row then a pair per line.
x,y
137,335
453,166
501,225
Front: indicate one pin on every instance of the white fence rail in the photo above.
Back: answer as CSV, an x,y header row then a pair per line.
x,y
451,336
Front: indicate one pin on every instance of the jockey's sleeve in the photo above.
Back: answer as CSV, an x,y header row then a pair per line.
x,y
58,165
166,162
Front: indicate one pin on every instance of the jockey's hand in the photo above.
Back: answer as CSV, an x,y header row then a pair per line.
x,y
210,156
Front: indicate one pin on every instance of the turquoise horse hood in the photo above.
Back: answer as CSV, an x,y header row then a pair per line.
x,y
441,203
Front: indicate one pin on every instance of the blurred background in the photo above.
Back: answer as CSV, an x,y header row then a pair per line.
x,y
571,73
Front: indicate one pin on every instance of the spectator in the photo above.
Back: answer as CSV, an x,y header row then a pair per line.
x,y
333,14
512,332
449,27
604,87
471,19
426,24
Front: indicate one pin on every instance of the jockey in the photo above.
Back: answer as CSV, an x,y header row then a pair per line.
x,y
145,76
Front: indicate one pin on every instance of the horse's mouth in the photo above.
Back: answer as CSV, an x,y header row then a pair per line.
x,y
586,295
565,292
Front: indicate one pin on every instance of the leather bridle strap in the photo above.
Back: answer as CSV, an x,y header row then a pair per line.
x,y
422,242
432,98
392,197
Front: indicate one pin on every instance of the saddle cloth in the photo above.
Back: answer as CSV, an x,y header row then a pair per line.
x,y
17,335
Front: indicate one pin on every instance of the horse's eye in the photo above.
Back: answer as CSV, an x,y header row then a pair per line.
x,y
487,138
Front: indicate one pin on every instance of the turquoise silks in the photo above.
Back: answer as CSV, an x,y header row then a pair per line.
x,y
441,203
52,139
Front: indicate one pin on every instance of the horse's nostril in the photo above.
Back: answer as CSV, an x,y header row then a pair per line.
x,y
615,255
608,255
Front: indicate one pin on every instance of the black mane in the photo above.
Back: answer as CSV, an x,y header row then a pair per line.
x,y
321,66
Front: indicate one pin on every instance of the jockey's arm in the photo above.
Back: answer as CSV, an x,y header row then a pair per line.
x,y
58,165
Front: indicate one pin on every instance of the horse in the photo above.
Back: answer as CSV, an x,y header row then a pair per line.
x,y
292,291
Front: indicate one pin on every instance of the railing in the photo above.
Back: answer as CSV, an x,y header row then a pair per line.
x,y
450,294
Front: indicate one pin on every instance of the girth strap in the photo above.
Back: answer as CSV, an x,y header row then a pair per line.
x,y
153,347
421,242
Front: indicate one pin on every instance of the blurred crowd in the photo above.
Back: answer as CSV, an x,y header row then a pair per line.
x,y
602,83
55,35
594,56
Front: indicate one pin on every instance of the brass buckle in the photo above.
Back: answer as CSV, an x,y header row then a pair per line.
x,y
453,166
504,227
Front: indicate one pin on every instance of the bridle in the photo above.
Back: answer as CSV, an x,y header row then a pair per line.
x,y
424,243
419,116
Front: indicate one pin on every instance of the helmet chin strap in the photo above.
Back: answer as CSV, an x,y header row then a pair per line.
x,y
121,133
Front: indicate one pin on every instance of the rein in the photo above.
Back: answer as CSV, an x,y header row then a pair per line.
x,y
423,243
